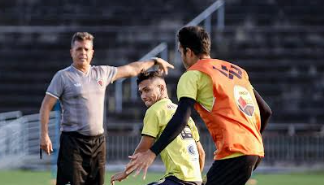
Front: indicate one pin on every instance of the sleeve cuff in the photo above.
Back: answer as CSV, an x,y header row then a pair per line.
x,y
148,135
52,95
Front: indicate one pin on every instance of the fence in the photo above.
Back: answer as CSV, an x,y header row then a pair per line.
x,y
9,116
12,137
19,141
278,149
294,149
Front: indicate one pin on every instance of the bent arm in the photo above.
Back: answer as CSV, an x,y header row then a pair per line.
x,y
177,123
265,110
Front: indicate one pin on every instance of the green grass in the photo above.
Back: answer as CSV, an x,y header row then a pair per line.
x,y
291,179
44,178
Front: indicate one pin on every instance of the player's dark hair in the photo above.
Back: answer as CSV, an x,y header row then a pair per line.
x,y
81,36
149,75
195,38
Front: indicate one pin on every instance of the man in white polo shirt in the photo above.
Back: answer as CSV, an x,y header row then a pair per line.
x,y
80,88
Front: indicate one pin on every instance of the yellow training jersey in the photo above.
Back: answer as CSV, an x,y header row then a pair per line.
x,y
180,157
198,86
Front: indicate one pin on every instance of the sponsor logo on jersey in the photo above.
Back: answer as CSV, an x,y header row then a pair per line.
x,y
243,100
186,133
100,83
171,106
192,150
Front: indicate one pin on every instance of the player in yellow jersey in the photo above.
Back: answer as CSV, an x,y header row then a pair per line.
x,y
184,157
233,111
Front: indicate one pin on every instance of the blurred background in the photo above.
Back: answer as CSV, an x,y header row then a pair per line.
x,y
280,43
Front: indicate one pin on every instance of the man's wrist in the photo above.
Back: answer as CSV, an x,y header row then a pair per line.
x,y
44,134
154,150
155,60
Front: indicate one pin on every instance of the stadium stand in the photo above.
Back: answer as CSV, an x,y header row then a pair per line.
x,y
279,43
36,42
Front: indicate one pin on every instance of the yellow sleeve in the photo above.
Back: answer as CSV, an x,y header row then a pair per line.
x,y
188,85
151,123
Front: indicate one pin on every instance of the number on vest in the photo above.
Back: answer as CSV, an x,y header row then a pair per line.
x,y
231,72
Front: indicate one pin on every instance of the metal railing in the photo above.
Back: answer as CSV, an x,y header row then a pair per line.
x,y
33,129
12,143
206,17
162,50
8,116
12,137
293,129
19,140
294,149
278,149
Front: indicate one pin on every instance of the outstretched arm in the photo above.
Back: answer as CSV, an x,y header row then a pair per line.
x,y
135,68
265,110
145,144
142,160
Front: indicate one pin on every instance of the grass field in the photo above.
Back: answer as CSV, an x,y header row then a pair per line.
x,y
44,178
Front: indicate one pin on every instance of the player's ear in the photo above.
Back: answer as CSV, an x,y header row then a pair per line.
x,y
162,88
190,52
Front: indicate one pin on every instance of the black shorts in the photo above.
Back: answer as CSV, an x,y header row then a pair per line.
x,y
233,171
81,159
172,180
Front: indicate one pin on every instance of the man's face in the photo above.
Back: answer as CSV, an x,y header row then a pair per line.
x,y
150,91
82,53
184,58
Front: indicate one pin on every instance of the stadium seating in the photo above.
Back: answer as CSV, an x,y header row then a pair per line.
x,y
36,40
279,43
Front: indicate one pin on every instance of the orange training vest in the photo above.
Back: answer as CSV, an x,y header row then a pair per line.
x,y
234,121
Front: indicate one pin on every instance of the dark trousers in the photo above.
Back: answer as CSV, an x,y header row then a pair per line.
x,y
233,171
81,159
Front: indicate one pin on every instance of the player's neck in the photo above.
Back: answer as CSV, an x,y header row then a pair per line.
x,y
164,97
204,57
195,59
82,68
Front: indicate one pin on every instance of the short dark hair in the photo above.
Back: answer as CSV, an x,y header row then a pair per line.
x,y
195,38
81,36
149,75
